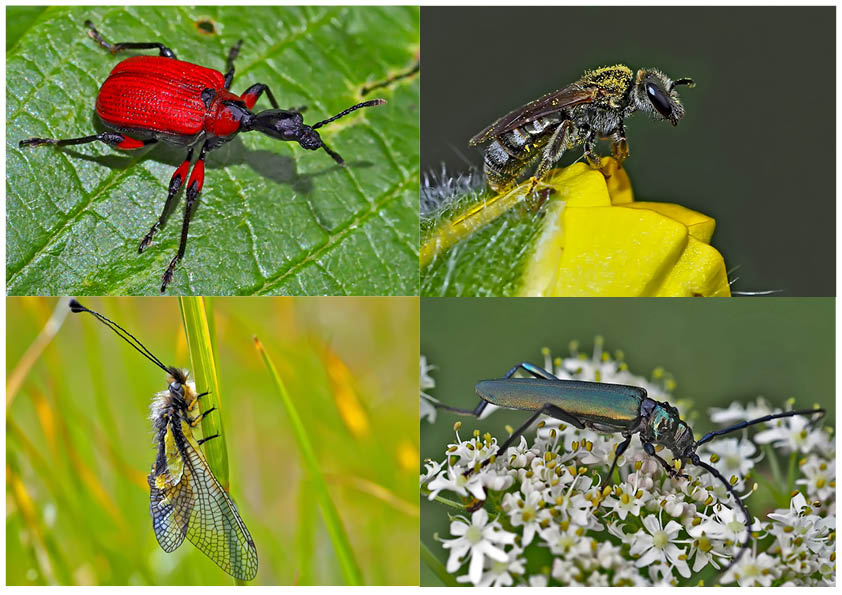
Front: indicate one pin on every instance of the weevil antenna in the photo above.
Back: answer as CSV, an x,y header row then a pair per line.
x,y
332,153
370,103
744,424
697,461
129,338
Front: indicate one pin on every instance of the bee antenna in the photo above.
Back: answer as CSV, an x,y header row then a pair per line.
x,y
369,103
683,81
129,338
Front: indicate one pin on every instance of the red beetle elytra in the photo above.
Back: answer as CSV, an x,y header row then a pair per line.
x,y
147,99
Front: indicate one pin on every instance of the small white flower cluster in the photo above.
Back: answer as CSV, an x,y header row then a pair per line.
x,y
428,410
536,515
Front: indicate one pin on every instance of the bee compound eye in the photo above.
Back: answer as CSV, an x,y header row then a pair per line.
x,y
659,100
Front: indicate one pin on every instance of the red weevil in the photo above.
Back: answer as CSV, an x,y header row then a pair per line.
x,y
147,99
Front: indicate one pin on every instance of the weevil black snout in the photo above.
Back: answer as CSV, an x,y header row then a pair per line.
x,y
310,139
281,124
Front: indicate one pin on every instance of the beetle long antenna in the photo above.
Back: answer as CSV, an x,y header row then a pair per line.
x,y
129,338
744,424
712,470
369,103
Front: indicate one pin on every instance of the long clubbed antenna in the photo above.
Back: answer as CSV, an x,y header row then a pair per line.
x,y
129,338
712,470
369,103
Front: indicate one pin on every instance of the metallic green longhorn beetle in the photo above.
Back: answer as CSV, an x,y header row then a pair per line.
x,y
609,408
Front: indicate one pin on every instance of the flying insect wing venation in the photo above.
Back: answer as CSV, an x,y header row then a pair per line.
x,y
186,500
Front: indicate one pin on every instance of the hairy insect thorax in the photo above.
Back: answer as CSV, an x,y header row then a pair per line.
x,y
169,412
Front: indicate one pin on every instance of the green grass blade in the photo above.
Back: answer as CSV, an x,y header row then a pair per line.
x,y
205,374
348,565
437,567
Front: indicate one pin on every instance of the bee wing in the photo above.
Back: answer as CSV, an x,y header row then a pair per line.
x,y
543,106
199,508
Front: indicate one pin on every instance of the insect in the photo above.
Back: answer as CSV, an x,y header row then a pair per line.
x,y
610,408
147,99
186,499
594,106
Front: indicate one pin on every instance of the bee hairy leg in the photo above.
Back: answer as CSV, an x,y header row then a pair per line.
x,y
619,144
554,150
593,158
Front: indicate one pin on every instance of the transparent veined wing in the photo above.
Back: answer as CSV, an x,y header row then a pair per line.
x,y
543,106
196,506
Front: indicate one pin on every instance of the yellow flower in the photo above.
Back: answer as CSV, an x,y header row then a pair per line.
x,y
597,241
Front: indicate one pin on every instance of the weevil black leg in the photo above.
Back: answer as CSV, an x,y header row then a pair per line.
x,y
229,63
671,471
194,188
253,93
176,182
163,50
203,440
744,424
112,139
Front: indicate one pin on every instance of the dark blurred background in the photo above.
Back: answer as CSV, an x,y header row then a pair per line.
x,y
718,351
755,150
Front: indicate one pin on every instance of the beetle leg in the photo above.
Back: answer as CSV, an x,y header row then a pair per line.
x,y
532,369
251,95
112,139
671,471
621,448
548,409
477,411
176,182
194,187
129,45
229,64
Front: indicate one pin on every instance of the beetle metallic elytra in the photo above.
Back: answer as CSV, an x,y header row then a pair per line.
x,y
147,99
610,408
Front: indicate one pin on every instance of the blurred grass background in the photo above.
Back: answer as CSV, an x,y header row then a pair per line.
x,y
718,351
79,443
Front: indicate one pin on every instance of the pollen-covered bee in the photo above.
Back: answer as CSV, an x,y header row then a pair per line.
x,y
593,107
186,499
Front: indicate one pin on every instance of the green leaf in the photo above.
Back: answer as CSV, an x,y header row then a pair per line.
x,y
273,218
489,260
196,316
